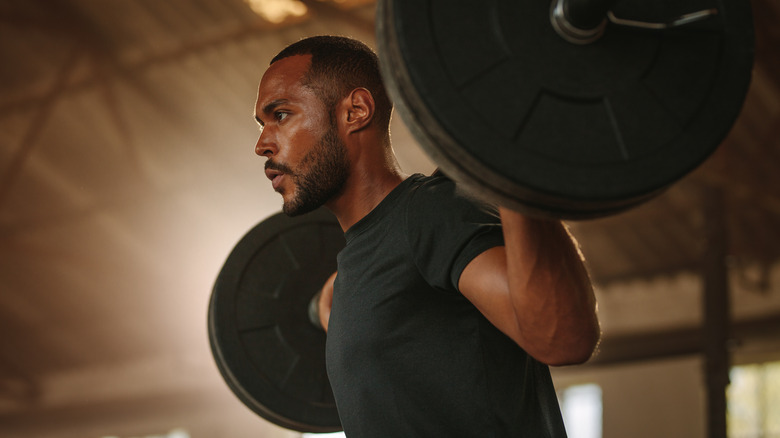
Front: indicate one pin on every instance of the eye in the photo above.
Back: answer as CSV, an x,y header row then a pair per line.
x,y
280,115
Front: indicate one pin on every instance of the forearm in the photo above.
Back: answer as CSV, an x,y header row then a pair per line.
x,y
550,291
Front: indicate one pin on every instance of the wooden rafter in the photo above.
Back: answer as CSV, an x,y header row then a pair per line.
x,y
39,119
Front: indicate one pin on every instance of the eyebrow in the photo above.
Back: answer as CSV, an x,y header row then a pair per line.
x,y
269,108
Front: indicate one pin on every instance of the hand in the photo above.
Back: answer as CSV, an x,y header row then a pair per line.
x,y
326,301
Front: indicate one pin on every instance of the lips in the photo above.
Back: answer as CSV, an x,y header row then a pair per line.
x,y
277,172
275,176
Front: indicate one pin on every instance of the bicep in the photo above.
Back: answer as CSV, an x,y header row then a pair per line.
x,y
484,283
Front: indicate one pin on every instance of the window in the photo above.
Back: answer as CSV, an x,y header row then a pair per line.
x,y
581,409
753,399
175,433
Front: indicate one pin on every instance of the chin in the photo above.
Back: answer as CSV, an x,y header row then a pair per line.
x,y
296,208
295,212
292,208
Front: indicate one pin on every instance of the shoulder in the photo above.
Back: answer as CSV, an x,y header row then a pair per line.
x,y
446,228
439,196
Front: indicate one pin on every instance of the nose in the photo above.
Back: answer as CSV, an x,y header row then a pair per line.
x,y
265,146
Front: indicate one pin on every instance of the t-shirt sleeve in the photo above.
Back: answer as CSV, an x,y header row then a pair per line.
x,y
447,229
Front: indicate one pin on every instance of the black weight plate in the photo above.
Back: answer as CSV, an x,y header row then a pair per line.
x,y
267,350
509,108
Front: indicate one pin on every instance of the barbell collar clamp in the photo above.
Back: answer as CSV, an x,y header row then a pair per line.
x,y
580,21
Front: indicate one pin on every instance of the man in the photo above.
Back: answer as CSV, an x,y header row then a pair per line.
x,y
444,314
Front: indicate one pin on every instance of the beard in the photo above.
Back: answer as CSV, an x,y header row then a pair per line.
x,y
322,174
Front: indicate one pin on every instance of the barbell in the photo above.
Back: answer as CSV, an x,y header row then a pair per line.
x,y
507,105
573,109
267,349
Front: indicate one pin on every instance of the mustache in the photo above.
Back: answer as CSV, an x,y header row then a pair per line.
x,y
278,167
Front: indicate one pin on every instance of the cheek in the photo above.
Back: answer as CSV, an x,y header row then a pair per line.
x,y
302,141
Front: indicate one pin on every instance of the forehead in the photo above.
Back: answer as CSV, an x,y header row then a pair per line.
x,y
282,81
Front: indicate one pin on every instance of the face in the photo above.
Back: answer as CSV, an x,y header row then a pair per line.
x,y
307,161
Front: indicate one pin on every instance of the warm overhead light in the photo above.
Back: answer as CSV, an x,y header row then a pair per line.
x,y
348,4
276,11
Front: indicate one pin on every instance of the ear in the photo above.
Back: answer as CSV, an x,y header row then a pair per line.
x,y
358,110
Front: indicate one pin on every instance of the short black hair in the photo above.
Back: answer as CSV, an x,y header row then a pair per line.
x,y
338,66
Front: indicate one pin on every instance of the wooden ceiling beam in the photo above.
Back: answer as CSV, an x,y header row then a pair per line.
x,y
685,341
745,192
350,17
34,129
128,70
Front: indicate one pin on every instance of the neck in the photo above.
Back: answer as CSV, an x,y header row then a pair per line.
x,y
370,181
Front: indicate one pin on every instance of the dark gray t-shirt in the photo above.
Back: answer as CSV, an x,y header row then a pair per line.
x,y
407,354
